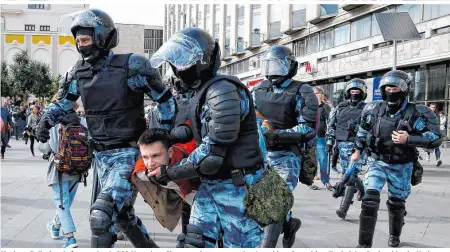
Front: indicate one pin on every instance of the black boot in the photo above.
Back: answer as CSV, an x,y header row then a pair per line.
x,y
290,229
185,215
367,222
346,201
396,208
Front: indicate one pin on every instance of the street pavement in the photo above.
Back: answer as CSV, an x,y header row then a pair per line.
x,y
27,205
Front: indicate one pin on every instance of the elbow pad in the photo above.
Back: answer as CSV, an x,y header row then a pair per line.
x,y
177,172
423,142
181,134
212,163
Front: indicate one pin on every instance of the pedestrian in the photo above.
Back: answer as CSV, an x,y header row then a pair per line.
x,y
5,126
64,188
437,151
32,124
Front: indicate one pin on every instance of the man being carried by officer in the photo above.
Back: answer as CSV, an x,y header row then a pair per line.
x,y
343,125
391,130
112,88
228,156
288,110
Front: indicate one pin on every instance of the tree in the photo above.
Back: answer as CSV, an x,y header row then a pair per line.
x,y
21,72
7,87
42,79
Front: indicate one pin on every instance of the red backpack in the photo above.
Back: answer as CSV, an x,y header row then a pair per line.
x,y
72,156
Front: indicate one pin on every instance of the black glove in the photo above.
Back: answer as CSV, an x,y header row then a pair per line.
x,y
43,130
329,148
271,137
181,134
338,190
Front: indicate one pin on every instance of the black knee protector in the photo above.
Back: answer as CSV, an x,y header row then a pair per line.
x,y
101,214
370,203
195,238
395,206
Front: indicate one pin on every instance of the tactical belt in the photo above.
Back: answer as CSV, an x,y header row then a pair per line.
x,y
393,158
237,175
104,147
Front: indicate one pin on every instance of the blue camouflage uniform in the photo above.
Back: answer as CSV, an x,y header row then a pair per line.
x,y
218,204
286,163
345,148
114,167
397,176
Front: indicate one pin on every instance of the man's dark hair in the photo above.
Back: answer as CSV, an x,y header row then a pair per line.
x,y
155,135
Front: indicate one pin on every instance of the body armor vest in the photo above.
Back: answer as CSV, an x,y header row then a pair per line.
x,y
114,113
348,121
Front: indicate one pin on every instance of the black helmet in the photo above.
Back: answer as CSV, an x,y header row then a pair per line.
x,y
279,64
105,35
395,78
193,55
355,83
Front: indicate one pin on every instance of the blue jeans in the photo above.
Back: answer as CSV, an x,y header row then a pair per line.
x,y
64,218
322,160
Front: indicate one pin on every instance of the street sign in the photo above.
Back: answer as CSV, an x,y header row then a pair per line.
x,y
376,95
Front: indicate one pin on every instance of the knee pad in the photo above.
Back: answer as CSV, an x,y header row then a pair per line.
x,y
195,238
372,195
101,214
395,205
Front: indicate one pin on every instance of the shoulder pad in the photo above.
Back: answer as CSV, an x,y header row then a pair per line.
x,y
224,105
139,64
64,82
342,104
309,110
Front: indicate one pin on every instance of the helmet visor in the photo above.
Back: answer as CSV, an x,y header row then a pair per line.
x,y
180,50
274,67
84,18
393,80
356,85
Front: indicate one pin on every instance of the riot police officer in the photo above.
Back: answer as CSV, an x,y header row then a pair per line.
x,y
228,154
391,130
288,110
343,125
112,88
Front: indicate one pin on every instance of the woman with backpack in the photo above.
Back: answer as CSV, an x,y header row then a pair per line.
x,y
64,185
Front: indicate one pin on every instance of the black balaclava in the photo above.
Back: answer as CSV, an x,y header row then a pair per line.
x,y
90,53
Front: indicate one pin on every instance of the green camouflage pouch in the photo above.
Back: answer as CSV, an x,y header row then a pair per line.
x,y
309,167
416,177
269,200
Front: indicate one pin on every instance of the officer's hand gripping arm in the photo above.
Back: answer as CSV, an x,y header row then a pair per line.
x,y
428,125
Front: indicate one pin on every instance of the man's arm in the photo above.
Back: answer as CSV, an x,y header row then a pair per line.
x,y
143,77
428,126
364,126
331,126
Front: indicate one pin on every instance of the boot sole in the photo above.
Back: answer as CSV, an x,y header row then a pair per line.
x,y
341,214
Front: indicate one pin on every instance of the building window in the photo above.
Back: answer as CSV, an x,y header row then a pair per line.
x,y
29,27
216,22
326,39
207,18
227,35
437,78
298,18
341,34
441,30
431,11
300,48
328,9
414,11
350,53
153,40
45,27
361,28
256,22
274,21
240,29
419,84
36,6
312,44
192,10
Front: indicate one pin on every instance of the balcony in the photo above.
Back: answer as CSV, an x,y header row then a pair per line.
x,y
327,11
349,7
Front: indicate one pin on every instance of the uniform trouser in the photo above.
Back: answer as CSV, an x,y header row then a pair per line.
x,y
219,205
114,168
322,159
345,152
288,166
